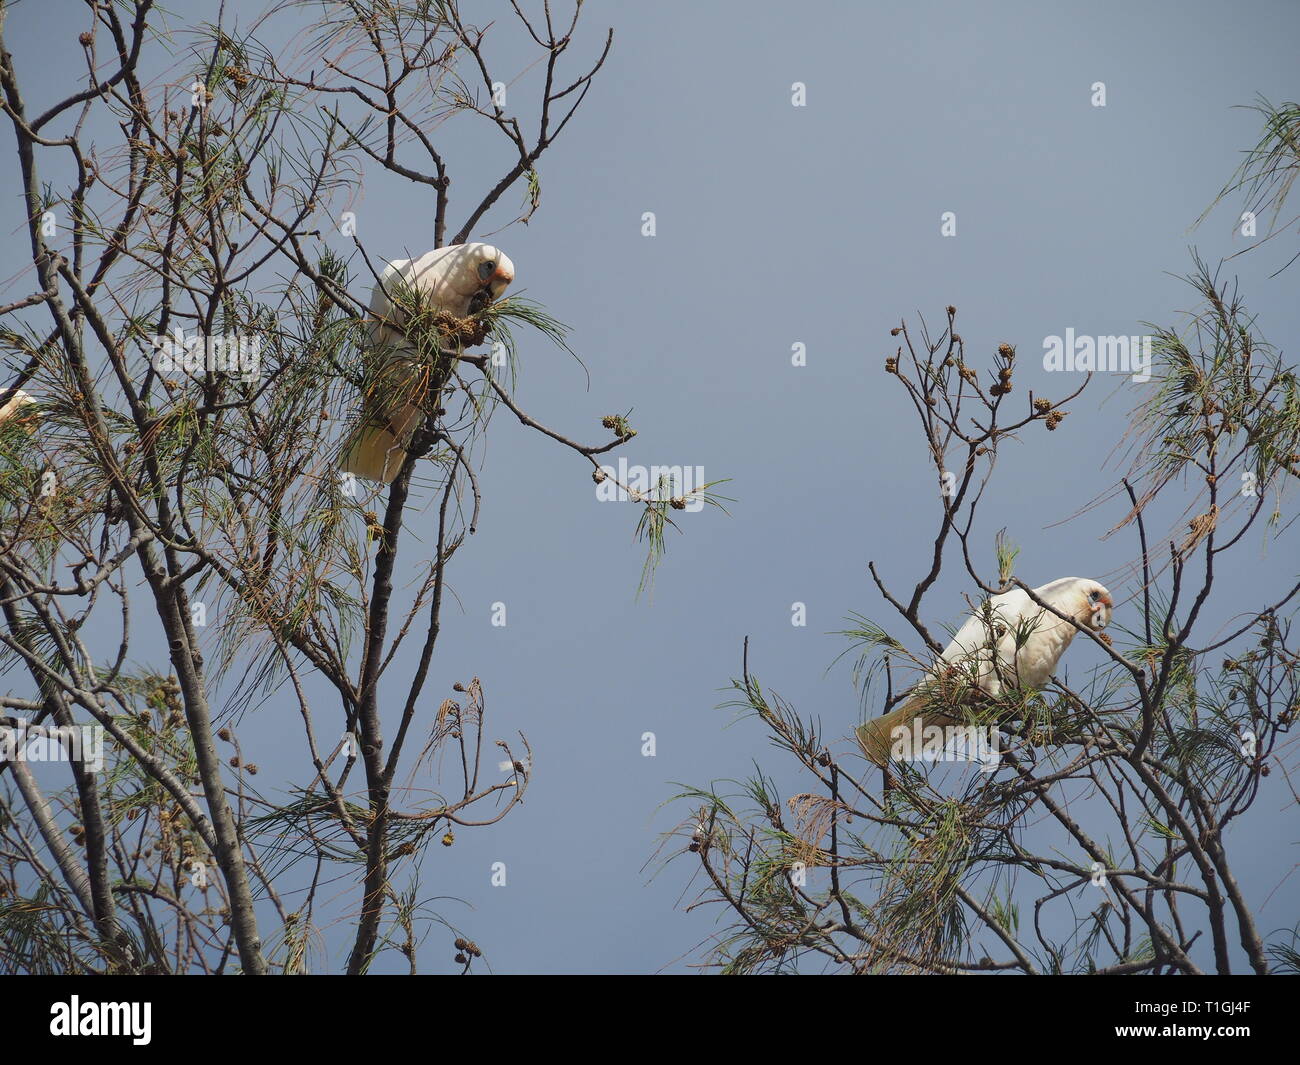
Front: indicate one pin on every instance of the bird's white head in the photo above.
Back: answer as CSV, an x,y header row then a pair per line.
x,y
491,266
1087,601
15,404
1094,605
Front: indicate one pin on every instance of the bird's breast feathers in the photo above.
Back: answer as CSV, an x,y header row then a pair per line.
x,y
1028,641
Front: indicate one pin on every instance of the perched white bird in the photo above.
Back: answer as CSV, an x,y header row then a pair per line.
x,y
17,406
1017,645
460,280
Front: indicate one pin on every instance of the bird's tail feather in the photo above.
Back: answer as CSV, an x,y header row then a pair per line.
x,y
877,737
376,452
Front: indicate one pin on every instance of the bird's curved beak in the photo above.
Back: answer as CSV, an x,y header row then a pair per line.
x,y
1100,613
500,280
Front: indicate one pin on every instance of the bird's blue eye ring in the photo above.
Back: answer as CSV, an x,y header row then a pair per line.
x,y
1093,596
485,269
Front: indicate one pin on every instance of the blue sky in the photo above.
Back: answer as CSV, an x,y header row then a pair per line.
x,y
779,225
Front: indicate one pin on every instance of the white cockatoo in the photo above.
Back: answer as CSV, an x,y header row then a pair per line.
x,y
16,405
1015,644
459,280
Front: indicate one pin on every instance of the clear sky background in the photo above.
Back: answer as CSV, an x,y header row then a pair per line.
x,y
778,225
